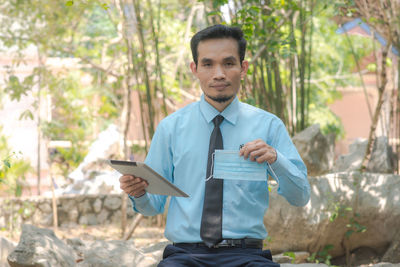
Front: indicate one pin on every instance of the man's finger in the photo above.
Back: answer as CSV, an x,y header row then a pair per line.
x,y
134,191
250,147
125,178
257,153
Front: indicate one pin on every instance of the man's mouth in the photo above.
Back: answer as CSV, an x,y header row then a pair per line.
x,y
220,86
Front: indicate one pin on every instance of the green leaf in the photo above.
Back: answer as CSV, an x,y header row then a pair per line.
x,y
255,8
6,163
291,255
213,13
18,190
371,67
27,114
388,62
104,6
69,3
219,3
349,233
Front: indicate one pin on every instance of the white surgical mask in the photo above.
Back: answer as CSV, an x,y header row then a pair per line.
x,y
229,165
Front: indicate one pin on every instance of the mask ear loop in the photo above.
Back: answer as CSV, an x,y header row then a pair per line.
x,y
212,167
273,174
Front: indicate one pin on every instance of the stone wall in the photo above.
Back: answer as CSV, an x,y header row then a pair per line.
x,y
71,210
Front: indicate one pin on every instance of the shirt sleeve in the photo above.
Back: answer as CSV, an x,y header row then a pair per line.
x,y
159,158
291,172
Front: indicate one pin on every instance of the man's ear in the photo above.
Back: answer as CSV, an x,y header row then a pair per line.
x,y
193,67
244,67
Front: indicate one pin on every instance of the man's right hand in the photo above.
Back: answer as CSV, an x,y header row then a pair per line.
x,y
134,186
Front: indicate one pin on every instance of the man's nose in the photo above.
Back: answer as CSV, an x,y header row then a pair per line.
x,y
219,73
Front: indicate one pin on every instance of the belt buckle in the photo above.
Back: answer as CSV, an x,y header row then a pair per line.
x,y
224,243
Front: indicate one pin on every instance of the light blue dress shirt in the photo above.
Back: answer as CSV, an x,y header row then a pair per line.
x,y
179,152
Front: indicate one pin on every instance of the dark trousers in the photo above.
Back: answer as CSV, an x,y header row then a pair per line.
x,y
193,256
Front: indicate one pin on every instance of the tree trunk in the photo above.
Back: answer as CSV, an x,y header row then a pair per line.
x,y
133,226
381,90
126,110
39,122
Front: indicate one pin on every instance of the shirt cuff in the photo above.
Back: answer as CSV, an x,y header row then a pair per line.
x,y
139,202
280,164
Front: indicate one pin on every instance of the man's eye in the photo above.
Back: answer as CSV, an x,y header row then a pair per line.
x,y
206,65
229,64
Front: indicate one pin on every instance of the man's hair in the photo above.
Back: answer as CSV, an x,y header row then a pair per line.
x,y
216,32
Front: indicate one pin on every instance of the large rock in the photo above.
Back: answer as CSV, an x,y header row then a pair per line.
x,y
393,252
316,150
40,247
382,264
304,265
94,175
374,198
101,253
156,250
6,246
381,160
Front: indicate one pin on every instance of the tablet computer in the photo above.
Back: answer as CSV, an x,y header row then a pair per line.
x,y
157,184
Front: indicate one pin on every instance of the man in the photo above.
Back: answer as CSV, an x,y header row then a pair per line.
x,y
221,223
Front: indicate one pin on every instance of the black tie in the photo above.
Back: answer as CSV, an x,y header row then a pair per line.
x,y
211,221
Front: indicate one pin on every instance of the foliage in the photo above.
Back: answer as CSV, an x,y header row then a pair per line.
x,y
73,117
338,210
285,32
322,256
342,211
15,213
13,169
117,47
290,254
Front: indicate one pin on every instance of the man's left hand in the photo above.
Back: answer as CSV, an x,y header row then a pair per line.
x,y
259,151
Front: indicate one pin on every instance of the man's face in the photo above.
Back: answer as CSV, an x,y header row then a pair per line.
x,y
219,70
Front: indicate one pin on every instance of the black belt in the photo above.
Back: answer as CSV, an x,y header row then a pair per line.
x,y
226,243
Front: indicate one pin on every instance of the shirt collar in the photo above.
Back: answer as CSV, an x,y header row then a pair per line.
x,y
230,113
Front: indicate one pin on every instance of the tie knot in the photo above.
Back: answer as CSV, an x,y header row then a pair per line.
x,y
217,120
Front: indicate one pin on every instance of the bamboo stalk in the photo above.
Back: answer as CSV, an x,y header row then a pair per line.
x,y
263,87
293,79
158,68
309,60
279,99
302,65
141,106
144,66
397,118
